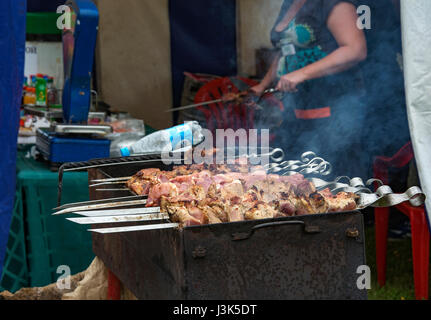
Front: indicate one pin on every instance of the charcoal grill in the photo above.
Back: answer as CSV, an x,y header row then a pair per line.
x,y
306,257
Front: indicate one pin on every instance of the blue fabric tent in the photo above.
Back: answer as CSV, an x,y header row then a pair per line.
x,y
203,39
12,51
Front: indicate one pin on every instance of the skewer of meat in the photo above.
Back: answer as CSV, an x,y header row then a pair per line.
x,y
259,197
189,213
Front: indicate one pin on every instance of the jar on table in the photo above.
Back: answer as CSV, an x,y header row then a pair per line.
x,y
29,96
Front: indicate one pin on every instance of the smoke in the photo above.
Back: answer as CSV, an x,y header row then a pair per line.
x,y
368,112
387,129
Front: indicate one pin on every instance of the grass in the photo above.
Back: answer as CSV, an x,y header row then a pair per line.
x,y
399,273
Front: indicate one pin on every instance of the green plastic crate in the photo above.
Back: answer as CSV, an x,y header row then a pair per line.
x,y
38,242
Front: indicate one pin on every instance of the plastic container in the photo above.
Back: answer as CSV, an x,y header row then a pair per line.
x,y
29,96
40,92
175,138
51,92
31,82
123,140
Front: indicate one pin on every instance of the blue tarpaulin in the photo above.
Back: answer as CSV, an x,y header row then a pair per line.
x,y
12,52
203,39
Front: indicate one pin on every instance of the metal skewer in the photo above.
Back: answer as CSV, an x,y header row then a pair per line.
x,y
116,212
120,218
270,90
102,206
110,190
267,91
111,179
191,106
272,154
81,166
85,203
136,228
107,183
109,163
309,164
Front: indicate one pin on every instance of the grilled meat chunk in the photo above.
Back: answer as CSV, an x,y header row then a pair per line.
x,y
181,214
286,207
343,201
167,189
235,213
261,211
202,194
210,215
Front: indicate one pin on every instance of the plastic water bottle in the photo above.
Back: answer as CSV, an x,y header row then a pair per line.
x,y
187,134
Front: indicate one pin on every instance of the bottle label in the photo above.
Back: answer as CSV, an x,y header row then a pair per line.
x,y
181,136
125,152
41,93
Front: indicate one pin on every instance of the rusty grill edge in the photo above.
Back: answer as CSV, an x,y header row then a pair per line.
x,y
305,257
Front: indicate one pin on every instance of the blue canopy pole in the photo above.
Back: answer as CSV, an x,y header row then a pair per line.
x,y
12,53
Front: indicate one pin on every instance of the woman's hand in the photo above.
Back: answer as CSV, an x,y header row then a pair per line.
x,y
290,81
258,89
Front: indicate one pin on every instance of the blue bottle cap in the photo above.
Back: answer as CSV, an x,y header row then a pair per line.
x,y
125,152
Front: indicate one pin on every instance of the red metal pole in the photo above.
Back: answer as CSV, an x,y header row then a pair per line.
x,y
114,287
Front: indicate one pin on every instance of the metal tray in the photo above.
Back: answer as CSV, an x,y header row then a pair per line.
x,y
82,129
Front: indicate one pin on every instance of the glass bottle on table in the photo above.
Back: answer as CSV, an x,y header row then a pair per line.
x,y
29,96
31,80
51,92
